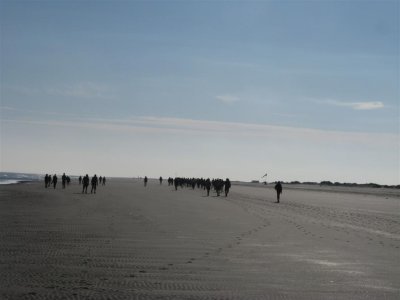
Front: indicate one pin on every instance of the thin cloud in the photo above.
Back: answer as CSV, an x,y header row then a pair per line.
x,y
38,113
86,90
261,130
367,105
82,90
370,105
157,125
24,90
6,108
226,63
227,99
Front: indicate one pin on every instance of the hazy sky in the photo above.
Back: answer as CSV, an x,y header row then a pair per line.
x,y
303,90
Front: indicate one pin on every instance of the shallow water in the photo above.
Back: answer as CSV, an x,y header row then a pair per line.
x,y
13,178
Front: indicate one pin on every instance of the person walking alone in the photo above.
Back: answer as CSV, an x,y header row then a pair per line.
x,y
94,184
85,183
63,180
278,188
54,181
227,187
47,180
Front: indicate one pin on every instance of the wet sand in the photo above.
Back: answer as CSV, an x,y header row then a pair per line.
x,y
132,242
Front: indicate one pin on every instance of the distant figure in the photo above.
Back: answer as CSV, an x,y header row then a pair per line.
x,y
176,183
208,186
63,180
54,181
100,180
218,185
160,180
85,182
104,180
47,180
94,184
80,180
278,188
68,180
227,187
145,180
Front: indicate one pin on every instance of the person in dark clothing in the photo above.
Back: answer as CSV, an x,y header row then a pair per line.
x,y
208,186
176,183
47,180
85,182
227,187
63,180
278,188
104,180
80,180
160,180
54,181
145,180
94,184
218,185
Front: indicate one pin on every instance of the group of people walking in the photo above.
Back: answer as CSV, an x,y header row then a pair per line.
x,y
49,180
52,180
94,182
84,181
218,185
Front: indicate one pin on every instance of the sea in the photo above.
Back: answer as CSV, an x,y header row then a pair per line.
x,y
13,178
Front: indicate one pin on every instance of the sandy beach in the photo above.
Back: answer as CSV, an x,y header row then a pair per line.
x,y
128,241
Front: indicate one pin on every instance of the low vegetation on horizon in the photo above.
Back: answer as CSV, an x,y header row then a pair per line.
x,y
330,183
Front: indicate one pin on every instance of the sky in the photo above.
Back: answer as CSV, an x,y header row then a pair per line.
x,y
300,90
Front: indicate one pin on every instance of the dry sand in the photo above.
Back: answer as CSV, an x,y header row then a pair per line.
x,y
132,242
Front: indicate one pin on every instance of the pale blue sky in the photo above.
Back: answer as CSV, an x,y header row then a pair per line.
x,y
306,90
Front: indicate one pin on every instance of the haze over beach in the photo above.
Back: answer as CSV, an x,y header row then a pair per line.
x,y
302,90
